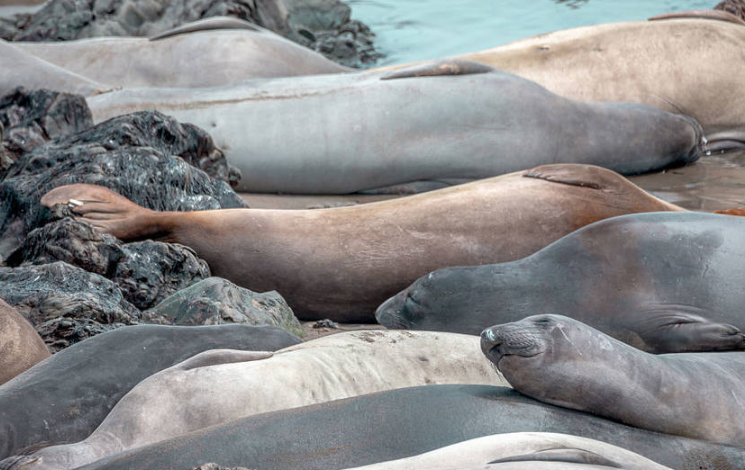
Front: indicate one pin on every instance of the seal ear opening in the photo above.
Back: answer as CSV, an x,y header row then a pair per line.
x,y
439,68
566,455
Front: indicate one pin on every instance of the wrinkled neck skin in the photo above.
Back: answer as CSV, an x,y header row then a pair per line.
x,y
591,373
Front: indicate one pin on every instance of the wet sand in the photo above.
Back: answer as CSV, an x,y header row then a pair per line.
x,y
715,182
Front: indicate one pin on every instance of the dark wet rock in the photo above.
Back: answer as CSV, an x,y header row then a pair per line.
x,y
65,303
217,301
11,26
146,272
736,7
323,25
326,323
132,155
29,119
326,26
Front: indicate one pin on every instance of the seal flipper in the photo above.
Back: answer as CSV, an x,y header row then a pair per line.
x,y
104,209
700,14
439,68
562,455
215,357
209,24
671,329
736,212
584,176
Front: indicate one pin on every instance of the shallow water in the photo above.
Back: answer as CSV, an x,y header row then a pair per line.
x,y
411,30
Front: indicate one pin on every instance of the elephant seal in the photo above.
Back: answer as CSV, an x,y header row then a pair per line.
x,y
19,68
225,55
344,133
341,263
661,282
402,423
227,385
65,397
561,361
20,345
521,447
591,63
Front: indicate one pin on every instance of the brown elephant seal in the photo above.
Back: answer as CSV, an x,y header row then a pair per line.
x,y
229,50
563,362
20,345
591,63
341,263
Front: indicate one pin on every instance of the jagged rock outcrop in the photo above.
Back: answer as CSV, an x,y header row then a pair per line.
x,y
216,301
132,155
736,7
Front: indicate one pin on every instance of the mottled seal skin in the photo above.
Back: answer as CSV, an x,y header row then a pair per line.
x,y
439,121
19,68
225,54
402,423
661,282
591,63
219,386
342,263
65,397
523,448
564,362
20,345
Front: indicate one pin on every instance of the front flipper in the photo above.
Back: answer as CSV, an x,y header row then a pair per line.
x,y
736,212
215,357
209,24
104,209
562,455
674,330
585,176
439,68
700,14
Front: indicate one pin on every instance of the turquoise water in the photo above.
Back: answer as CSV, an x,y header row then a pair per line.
x,y
409,30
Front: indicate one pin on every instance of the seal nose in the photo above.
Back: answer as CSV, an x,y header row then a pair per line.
x,y
489,340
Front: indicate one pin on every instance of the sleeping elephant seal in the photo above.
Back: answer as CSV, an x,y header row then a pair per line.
x,y
65,397
20,345
561,361
443,122
228,50
521,447
342,263
19,68
226,385
591,63
402,423
661,282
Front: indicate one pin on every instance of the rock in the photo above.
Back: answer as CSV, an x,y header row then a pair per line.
x,y
214,466
65,303
12,26
736,7
216,301
326,323
323,25
31,118
146,272
131,155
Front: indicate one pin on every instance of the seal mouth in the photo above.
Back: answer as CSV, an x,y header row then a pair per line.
x,y
391,312
699,147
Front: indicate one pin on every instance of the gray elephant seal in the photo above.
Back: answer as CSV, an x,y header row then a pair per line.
x,y
444,122
20,345
523,448
226,385
402,423
564,362
228,50
592,63
19,68
342,263
661,282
